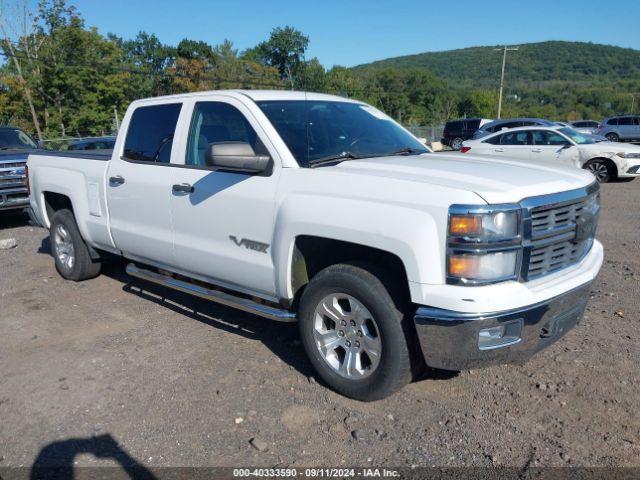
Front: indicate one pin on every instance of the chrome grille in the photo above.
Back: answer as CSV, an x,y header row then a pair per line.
x,y
13,184
559,230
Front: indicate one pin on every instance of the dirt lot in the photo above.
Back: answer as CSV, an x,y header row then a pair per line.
x,y
115,365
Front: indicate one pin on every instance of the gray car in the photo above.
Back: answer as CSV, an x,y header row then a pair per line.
x,y
585,126
507,123
621,128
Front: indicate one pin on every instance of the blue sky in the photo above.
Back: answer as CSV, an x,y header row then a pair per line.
x,y
350,32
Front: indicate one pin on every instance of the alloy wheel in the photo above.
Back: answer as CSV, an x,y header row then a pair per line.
x,y
64,249
347,336
599,170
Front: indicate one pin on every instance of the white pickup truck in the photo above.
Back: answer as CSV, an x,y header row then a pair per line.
x,y
315,208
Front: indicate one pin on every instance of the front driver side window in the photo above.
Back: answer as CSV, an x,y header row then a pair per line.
x,y
544,137
215,122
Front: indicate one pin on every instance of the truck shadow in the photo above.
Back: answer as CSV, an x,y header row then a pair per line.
x,y
56,460
281,338
13,220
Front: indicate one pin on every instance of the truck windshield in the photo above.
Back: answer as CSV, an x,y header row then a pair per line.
x,y
316,130
14,139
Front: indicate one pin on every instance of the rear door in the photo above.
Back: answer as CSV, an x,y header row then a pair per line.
x,y
635,134
626,128
514,145
139,186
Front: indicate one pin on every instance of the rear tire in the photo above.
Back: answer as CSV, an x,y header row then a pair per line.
x,y
70,252
600,169
456,143
612,137
364,324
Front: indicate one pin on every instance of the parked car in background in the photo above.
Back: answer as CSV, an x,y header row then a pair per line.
x,y
621,128
561,145
94,143
321,209
457,131
507,123
15,146
562,124
585,126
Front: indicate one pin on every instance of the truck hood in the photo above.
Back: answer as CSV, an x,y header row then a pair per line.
x,y
496,181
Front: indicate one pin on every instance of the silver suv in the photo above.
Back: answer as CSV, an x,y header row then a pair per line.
x,y
621,128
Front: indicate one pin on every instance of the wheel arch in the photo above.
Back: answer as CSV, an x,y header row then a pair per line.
x,y
310,254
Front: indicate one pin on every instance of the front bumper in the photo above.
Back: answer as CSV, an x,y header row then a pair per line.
x,y
14,199
450,340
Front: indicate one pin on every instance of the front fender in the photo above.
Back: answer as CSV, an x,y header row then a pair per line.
x,y
409,232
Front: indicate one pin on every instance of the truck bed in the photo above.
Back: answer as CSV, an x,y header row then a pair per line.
x,y
71,174
103,155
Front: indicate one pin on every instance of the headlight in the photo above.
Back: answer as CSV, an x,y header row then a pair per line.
x,y
484,244
483,266
628,155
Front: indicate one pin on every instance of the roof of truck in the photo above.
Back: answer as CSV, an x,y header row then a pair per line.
x,y
256,95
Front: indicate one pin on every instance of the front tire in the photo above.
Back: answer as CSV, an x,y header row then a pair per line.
x,y
612,137
354,332
70,252
600,169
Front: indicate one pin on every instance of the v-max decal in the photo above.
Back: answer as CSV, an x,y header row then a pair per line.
x,y
250,244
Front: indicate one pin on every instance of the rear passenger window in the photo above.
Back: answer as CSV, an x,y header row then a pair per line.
x,y
516,138
625,121
473,124
150,134
494,140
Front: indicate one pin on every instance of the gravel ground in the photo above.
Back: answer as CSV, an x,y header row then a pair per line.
x,y
117,368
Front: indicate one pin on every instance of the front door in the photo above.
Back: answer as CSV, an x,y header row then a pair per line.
x,y
139,186
223,223
553,147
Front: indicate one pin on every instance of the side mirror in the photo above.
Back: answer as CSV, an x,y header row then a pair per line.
x,y
566,145
235,157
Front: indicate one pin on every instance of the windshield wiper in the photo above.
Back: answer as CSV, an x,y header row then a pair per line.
x,y
407,151
340,157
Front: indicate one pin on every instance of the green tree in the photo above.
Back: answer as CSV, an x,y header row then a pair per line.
x,y
284,50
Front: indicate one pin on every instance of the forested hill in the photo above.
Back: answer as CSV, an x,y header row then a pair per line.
x,y
535,65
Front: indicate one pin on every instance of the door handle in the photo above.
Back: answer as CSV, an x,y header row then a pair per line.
x,y
536,150
117,180
183,188
498,149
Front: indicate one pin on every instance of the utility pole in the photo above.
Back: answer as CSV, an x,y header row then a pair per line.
x,y
504,49
116,119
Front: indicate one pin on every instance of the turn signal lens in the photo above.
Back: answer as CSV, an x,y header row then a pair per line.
x,y
490,266
461,225
461,266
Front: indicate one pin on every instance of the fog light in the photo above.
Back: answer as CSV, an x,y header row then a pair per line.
x,y
500,336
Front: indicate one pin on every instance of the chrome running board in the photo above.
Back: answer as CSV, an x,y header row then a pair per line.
x,y
240,303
